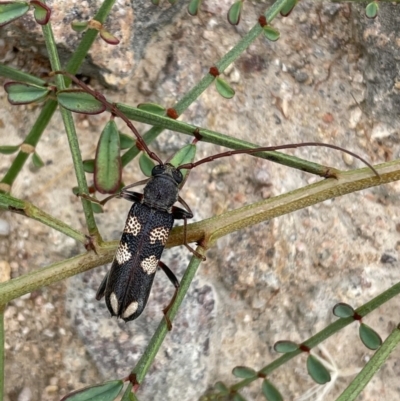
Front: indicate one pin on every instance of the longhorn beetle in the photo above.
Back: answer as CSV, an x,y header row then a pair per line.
x,y
127,285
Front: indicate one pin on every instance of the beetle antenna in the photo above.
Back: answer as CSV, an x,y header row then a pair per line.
x,y
189,166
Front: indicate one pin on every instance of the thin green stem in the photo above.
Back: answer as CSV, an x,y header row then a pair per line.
x,y
222,64
71,134
55,272
17,75
32,139
372,367
151,351
88,38
25,208
324,334
215,138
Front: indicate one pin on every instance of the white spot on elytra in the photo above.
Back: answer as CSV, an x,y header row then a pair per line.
x,y
123,254
133,226
149,265
130,310
159,234
114,303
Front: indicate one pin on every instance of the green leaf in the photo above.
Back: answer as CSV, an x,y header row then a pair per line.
x,y
108,37
288,7
317,370
235,12
42,12
369,337
194,6
79,26
22,93
97,209
183,156
172,2
152,108
37,161
270,392
103,392
284,347
88,166
12,10
8,149
155,2
107,165
224,89
79,101
126,141
371,11
271,33
221,387
146,164
243,372
343,310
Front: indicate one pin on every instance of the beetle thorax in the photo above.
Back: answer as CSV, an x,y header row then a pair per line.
x,y
161,192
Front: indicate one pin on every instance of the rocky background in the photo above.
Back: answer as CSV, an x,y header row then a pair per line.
x,y
324,80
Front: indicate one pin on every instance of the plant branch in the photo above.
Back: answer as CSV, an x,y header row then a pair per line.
x,y
154,345
71,135
27,209
371,367
208,231
215,138
327,332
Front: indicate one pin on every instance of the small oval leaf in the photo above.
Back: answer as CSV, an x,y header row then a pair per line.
x,y
103,392
155,2
270,392
107,165
221,387
126,141
271,33
79,26
183,156
194,6
317,370
235,12
224,89
146,164
8,150
37,161
288,7
79,101
12,10
22,93
371,11
109,37
243,372
284,347
97,209
88,166
152,108
41,13
369,337
343,310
